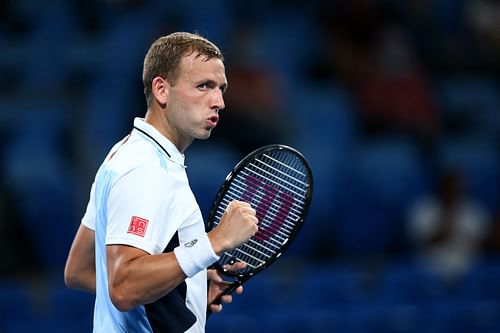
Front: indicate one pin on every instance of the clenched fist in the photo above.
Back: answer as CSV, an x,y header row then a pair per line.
x,y
237,225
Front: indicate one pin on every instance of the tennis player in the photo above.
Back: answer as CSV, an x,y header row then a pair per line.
x,y
142,246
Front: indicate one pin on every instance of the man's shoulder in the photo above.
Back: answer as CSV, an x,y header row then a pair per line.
x,y
137,154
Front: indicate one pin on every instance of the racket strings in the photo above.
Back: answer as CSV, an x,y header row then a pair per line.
x,y
264,191
271,244
261,195
289,166
273,211
276,172
278,237
277,185
273,176
253,179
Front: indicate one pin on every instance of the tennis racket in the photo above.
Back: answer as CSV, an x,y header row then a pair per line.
x,y
277,182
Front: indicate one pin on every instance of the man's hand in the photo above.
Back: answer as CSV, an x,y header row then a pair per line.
x,y
237,225
217,287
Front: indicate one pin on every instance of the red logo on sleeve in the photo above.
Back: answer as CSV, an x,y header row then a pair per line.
x,y
138,226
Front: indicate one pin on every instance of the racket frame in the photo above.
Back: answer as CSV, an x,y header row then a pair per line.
x,y
241,277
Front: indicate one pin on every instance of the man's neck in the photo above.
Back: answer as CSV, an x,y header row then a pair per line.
x,y
156,118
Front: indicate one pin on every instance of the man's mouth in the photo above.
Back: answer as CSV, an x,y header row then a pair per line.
x,y
213,120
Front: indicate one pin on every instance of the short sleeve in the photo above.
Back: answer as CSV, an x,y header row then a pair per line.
x,y
139,210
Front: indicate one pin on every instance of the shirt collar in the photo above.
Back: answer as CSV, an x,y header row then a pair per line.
x,y
146,129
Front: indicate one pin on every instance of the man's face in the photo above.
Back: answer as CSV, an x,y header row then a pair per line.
x,y
196,98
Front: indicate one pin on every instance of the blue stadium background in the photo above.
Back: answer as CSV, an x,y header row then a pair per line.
x,y
379,95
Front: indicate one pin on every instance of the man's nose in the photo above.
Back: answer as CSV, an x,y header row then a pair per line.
x,y
218,100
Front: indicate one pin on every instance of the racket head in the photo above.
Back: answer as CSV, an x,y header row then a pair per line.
x,y
277,181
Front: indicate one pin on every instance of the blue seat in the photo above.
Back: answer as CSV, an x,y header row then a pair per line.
x,y
208,165
481,282
478,161
263,291
105,96
325,136
276,43
480,316
16,302
473,101
304,320
39,326
44,49
407,282
384,178
363,227
449,316
229,323
385,318
392,169
215,20
331,287
70,306
42,183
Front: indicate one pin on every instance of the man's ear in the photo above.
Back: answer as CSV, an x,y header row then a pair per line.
x,y
160,90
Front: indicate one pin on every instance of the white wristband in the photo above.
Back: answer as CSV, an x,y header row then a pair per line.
x,y
195,255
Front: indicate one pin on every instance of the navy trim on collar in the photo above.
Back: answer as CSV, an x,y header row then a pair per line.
x,y
149,136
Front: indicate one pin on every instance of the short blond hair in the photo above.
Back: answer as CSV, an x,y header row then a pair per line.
x,y
164,57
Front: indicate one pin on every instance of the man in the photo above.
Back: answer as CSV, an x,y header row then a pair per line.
x,y
142,246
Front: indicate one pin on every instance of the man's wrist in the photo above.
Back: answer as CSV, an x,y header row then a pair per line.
x,y
195,255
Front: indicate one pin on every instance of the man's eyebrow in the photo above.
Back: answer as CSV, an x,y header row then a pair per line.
x,y
208,82
214,84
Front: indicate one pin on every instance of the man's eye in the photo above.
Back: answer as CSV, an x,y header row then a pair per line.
x,y
203,86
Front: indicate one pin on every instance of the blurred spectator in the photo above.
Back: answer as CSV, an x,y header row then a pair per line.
x,y
348,27
395,96
448,229
370,50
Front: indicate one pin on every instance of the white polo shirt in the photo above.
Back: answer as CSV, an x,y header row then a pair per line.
x,y
141,198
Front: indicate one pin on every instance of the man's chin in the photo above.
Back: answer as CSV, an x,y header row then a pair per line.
x,y
205,135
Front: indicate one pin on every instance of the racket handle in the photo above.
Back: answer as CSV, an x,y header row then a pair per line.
x,y
228,291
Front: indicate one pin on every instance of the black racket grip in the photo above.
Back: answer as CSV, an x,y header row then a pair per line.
x,y
228,291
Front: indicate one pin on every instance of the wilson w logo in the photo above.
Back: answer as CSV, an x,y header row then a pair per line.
x,y
271,204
